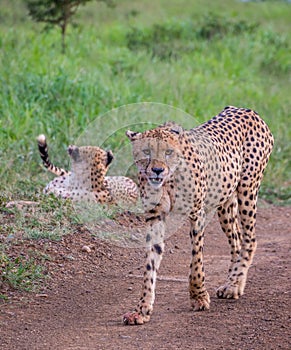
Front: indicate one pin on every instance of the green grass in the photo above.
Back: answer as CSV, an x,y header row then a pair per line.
x,y
50,218
195,55
20,273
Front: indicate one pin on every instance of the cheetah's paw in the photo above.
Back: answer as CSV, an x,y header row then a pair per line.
x,y
201,303
134,318
228,292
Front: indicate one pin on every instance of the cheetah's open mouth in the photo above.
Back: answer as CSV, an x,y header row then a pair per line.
x,y
155,181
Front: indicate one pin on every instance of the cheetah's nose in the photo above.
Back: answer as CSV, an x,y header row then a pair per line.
x,y
158,171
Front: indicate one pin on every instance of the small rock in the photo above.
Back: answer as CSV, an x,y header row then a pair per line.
x,y
69,257
124,336
41,295
129,288
86,249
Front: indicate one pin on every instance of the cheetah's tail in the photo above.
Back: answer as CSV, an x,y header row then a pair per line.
x,y
43,150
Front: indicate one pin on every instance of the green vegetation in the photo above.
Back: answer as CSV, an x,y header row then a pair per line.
x,y
185,56
49,218
19,273
56,13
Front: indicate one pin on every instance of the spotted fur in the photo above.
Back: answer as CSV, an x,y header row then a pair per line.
x,y
218,166
87,181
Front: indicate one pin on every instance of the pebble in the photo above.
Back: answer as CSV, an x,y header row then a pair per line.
x,y
41,295
86,249
124,336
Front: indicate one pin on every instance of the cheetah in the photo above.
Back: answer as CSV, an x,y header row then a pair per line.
x,y
87,180
216,166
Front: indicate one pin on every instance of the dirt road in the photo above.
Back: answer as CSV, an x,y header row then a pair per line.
x,y
81,306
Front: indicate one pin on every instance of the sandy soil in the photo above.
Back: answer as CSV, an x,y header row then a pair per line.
x,y
82,303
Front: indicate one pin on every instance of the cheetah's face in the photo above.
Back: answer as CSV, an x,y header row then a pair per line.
x,y
156,155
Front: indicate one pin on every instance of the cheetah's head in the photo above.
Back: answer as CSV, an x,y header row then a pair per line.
x,y
90,161
157,152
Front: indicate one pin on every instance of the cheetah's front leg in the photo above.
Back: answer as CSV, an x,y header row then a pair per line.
x,y
199,296
155,248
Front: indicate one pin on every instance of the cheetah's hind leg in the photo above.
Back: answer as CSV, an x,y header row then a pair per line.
x,y
228,218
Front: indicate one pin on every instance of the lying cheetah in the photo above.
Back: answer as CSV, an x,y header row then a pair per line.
x,y
219,166
87,180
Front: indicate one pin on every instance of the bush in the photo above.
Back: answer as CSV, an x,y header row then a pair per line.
x,y
169,40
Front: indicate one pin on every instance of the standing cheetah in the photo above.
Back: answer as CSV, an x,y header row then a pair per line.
x,y
219,166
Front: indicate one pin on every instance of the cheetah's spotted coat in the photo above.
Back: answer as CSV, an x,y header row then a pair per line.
x,y
87,180
217,165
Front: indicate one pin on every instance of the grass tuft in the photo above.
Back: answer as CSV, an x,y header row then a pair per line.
x,y
23,273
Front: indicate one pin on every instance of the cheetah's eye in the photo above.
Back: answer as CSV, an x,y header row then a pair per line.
x,y
169,152
146,151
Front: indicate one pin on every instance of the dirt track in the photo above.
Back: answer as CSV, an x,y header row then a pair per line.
x,y
81,307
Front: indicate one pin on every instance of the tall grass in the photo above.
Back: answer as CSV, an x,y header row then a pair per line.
x,y
194,55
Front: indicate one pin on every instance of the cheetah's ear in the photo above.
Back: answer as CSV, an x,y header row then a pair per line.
x,y
132,135
176,129
173,127
110,157
73,152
